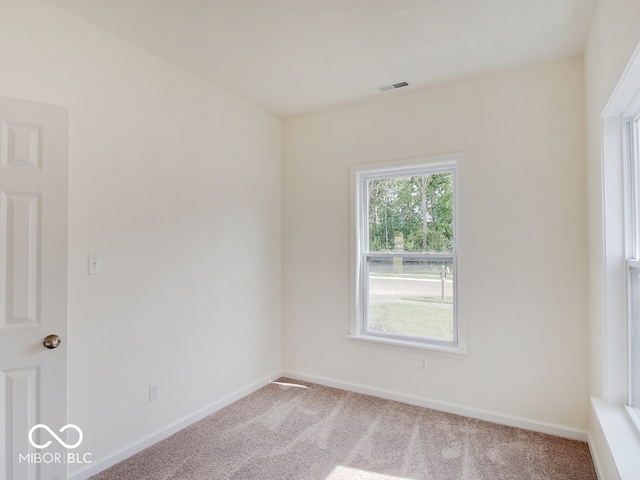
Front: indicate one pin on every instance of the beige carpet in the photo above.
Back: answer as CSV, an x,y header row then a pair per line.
x,y
310,432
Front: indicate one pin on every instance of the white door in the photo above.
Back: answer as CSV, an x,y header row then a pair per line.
x,y
34,177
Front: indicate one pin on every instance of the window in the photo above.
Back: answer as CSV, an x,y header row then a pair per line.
x,y
406,261
632,201
611,233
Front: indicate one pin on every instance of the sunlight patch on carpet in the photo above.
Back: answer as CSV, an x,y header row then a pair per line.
x,y
285,384
348,473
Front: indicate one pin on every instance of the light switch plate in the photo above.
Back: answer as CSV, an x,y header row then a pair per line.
x,y
95,264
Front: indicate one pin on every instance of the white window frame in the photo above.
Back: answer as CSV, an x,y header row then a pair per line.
x,y
631,153
613,428
360,174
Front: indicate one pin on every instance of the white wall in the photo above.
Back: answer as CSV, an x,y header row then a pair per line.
x,y
178,185
524,241
614,33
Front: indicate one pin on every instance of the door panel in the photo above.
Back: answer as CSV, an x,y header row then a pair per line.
x,y
20,231
33,285
19,388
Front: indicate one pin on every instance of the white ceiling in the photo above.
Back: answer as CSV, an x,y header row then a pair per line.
x,y
295,56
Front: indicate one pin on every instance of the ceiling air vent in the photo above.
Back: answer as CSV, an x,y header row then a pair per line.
x,y
393,86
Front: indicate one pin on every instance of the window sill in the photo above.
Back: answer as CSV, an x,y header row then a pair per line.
x,y
622,438
457,351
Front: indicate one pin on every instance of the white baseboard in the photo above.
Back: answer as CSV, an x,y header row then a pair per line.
x,y
595,457
494,417
139,445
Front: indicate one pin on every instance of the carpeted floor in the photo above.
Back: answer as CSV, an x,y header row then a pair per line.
x,y
305,431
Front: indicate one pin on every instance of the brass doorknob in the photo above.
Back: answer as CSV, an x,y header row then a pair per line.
x,y
51,341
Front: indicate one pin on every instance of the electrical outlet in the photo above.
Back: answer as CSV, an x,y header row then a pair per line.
x,y
153,392
422,364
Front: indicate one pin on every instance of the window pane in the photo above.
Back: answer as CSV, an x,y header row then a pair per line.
x,y
411,214
634,292
411,296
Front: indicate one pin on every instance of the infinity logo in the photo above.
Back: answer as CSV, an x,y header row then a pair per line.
x,y
53,434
